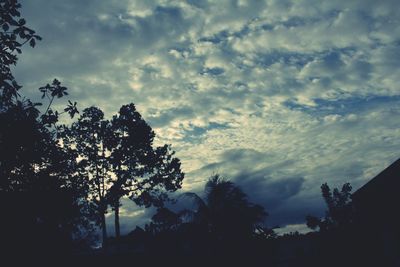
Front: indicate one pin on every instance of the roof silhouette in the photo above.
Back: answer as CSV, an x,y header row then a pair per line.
x,y
384,183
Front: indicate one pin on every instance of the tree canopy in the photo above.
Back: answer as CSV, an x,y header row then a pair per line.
x,y
119,159
340,210
14,33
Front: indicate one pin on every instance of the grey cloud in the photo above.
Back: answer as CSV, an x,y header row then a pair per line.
x,y
269,186
306,91
131,216
164,22
213,71
266,191
171,114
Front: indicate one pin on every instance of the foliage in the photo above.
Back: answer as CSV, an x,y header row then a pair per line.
x,y
32,163
55,90
340,210
164,221
142,172
119,159
13,35
226,210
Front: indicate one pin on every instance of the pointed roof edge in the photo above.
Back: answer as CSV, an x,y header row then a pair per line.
x,y
384,178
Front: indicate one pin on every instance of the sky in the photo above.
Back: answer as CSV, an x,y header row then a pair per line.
x,y
277,96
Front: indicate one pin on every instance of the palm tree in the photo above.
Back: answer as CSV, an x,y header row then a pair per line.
x,y
226,211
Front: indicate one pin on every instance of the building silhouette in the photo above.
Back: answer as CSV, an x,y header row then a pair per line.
x,y
377,218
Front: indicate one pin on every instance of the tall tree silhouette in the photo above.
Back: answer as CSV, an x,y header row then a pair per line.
x,y
87,140
119,160
27,143
34,170
143,173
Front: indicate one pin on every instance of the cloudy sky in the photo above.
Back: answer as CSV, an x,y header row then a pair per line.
x,y
278,96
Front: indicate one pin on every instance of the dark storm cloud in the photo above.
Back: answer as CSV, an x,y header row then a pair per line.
x,y
270,193
274,195
267,186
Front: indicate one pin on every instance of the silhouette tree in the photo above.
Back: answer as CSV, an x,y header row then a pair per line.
x,y
34,172
87,140
36,180
119,159
340,210
226,210
163,221
143,173
27,146
13,35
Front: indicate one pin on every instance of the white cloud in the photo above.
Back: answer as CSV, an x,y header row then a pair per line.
x,y
313,84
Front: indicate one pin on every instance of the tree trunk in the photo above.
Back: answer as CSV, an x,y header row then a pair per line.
x,y
104,229
117,229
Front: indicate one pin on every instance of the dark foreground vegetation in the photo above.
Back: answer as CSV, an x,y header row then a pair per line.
x,y
58,181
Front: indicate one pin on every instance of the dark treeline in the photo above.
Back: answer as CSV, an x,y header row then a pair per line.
x,y
58,182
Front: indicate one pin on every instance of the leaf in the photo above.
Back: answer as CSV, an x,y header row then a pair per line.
x,y
197,200
22,34
5,27
71,109
56,82
32,42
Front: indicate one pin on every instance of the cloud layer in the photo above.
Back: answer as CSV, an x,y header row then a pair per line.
x,y
279,96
